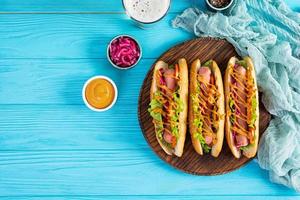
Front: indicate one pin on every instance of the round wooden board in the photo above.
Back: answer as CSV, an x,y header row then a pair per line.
x,y
191,162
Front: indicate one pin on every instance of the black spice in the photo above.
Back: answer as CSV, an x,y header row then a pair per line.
x,y
219,3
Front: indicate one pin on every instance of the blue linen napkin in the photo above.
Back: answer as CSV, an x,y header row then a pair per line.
x,y
269,32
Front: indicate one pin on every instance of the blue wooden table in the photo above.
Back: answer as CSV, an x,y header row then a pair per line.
x,y
53,147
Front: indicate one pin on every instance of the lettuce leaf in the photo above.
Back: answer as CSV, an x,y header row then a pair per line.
x,y
207,63
231,104
244,148
232,119
175,131
198,88
171,67
198,123
195,103
232,109
179,103
159,129
175,117
254,115
242,63
206,147
155,104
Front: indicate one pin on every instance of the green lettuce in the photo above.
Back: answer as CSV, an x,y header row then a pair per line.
x,y
254,115
198,135
206,147
154,104
171,67
197,121
179,103
198,88
244,148
175,117
242,63
232,119
208,63
232,109
231,104
195,103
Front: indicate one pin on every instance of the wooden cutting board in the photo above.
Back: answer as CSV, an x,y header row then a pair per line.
x,y
191,162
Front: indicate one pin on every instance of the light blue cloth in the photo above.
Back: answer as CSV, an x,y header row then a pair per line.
x,y
269,32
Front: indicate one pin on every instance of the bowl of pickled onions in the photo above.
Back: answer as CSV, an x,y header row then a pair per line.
x,y
124,52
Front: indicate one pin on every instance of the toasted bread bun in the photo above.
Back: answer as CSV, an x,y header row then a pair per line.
x,y
160,64
192,88
216,149
183,95
251,151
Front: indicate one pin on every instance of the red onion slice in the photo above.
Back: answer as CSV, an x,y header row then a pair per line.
x,y
124,51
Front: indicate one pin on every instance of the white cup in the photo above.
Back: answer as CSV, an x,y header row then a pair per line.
x,y
146,12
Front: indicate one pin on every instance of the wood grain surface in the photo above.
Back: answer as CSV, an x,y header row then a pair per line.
x,y
42,36
60,81
204,49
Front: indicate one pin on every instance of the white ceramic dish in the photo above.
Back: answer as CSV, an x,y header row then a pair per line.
x,y
97,109
141,16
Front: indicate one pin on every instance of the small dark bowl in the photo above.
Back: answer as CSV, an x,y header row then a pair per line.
x,y
213,8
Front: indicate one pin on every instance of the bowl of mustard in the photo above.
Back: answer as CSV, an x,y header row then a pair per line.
x,y
99,93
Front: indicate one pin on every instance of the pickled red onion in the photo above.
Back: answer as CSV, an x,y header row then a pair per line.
x,y
124,51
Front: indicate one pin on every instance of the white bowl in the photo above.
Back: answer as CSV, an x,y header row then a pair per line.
x,y
99,109
145,24
116,66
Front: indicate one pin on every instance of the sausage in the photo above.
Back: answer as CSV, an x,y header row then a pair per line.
x,y
241,140
170,81
205,73
208,139
168,137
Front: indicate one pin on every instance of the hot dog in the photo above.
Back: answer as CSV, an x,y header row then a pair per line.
x,y
168,105
206,107
242,111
